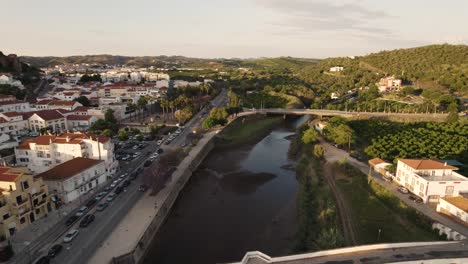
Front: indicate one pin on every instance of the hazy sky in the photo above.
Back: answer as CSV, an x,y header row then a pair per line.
x,y
228,28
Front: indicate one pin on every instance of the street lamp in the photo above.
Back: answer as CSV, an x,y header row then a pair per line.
x,y
378,236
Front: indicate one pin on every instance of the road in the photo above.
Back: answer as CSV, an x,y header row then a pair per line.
x,y
89,238
333,154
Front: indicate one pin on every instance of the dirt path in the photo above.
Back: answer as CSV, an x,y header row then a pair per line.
x,y
349,231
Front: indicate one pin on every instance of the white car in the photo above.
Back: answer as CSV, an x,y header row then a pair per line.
x,y
159,142
111,197
70,235
82,211
113,185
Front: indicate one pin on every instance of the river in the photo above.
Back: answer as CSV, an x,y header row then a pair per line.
x,y
239,200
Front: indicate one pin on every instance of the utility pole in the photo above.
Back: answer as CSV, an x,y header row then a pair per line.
x,y
349,143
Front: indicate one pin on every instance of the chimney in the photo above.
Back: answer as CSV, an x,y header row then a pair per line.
x,y
68,139
445,164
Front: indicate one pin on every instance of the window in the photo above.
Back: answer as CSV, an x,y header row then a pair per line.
x,y
421,187
412,182
22,220
6,216
449,190
25,185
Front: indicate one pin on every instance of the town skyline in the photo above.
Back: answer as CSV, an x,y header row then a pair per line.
x,y
224,29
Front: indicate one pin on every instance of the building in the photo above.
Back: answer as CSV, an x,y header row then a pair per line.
x,y
379,165
430,179
320,126
80,122
389,84
334,96
57,104
13,123
456,207
51,120
6,98
14,106
336,69
23,199
44,152
74,178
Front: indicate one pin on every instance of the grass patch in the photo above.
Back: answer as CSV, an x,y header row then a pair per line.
x,y
246,130
374,208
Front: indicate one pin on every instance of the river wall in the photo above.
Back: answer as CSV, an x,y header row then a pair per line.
x,y
179,178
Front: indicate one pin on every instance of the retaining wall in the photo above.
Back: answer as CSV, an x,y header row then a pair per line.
x,y
179,178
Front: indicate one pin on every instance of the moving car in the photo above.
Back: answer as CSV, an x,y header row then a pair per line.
x,y
126,183
118,190
160,151
111,197
403,190
82,211
71,220
70,235
147,163
88,219
54,250
159,142
100,207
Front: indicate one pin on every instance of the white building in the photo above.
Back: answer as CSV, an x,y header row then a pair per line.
x,y
336,69
44,152
162,83
456,207
14,106
135,76
430,179
334,96
57,104
389,84
74,178
80,122
13,123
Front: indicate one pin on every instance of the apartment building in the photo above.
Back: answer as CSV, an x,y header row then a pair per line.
x,y
23,199
14,106
13,123
80,122
45,152
74,178
57,104
51,120
430,179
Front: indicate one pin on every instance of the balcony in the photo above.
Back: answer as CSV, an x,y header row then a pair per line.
x,y
20,204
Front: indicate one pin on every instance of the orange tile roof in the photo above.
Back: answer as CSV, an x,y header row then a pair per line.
x,y
12,102
5,176
65,138
79,117
48,114
458,201
11,114
377,161
68,169
427,164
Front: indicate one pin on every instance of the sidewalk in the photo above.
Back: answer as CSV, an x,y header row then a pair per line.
x,y
125,236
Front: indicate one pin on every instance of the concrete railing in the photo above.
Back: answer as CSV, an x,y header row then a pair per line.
x,y
267,259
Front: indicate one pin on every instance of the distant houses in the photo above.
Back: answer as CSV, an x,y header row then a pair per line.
x,y
336,69
389,84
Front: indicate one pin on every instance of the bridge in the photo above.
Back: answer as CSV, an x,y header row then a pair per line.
x,y
348,114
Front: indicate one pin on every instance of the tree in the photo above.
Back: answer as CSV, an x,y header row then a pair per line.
x,y
183,115
83,100
453,113
209,122
89,78
123,136
142,102
342,134
309,136
319,151
234,100
107,132
140,137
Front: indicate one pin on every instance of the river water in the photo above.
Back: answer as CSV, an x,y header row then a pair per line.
x,y
239,200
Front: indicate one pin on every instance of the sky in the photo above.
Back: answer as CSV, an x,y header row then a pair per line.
x,y
228,28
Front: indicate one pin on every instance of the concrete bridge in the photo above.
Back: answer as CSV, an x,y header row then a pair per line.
x,y
322,112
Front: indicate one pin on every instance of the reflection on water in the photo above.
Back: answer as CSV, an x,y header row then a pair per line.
x,y
238,201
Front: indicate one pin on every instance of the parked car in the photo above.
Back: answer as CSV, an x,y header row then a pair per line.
x,y
70,235
43,260
54,250
415,199
147,163
118,190
100,196
91,202
111,197
82,211
142,188
160,151
71,220
159,142
126,183
133,176
88,219
100,207
403,190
